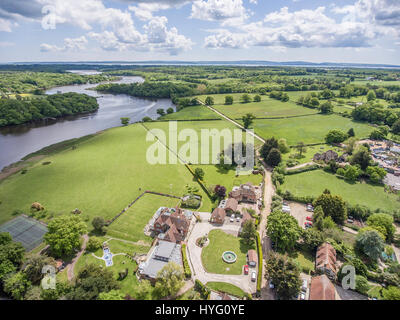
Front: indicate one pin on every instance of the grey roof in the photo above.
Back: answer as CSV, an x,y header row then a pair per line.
x,y
164,249
152,265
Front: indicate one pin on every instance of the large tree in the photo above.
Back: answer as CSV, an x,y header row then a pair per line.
x,y
383,222
284,274
274,157
283,229
248,120
11,255
169,280
332,206
91,281
270,144
361,157
370,243
249,232
64,234
16,285
34,264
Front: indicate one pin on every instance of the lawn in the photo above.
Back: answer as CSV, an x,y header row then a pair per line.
x,y
308,129
305,259
226,288
100,177
131,223
313,183
120,263
310,152
219,243
190,113
214,175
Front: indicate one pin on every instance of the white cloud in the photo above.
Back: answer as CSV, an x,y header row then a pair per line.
x,y
70,44
118,30
229,12
303,28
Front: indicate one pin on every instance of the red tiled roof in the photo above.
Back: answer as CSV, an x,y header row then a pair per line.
x,y
218,213
252,255
326,257
231,204
322,288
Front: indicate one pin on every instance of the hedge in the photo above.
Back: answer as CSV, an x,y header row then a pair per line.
x,y
260,263
204,290
303,169
291,197
186,267
202,185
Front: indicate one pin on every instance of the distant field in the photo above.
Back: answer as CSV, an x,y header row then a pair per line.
x,y
190,113
377,83
266,108
313,183
308,129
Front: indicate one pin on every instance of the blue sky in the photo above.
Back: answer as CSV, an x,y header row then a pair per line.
x,y
362,31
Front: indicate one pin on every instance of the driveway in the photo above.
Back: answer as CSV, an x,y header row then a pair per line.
x,y
194,256
342,294
299,211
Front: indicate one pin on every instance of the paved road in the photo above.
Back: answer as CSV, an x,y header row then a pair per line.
x,y
269,191
194,255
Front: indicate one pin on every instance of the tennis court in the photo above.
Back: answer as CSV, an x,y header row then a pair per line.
x,y
26,230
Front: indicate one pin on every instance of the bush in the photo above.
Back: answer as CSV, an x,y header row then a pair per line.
x,y
303,169
186,267
94,244
202,289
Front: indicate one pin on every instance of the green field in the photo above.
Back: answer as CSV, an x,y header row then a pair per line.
x,y
308,129
267,108
226,288
219,243
100,177
131,223
190,113
313,183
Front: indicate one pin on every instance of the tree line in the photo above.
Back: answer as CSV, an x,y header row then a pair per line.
x,y
18,111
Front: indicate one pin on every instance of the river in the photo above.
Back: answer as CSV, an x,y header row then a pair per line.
x,y
19,141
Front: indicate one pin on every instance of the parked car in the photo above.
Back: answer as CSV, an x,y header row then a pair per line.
x,y
238,219
232,218
302,296
246,269
310,208
350,221
304,285
309,218
253,276
271,285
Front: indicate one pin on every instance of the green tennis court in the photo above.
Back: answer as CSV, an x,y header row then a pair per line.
x,y
26,230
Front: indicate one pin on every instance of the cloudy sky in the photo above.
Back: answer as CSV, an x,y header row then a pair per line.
x,y
365,31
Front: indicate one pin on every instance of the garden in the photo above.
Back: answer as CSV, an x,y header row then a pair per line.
x,y
219,243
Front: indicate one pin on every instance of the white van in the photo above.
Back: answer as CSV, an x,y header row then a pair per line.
x,y
253,276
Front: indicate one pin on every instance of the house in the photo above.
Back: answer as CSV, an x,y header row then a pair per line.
x,y
325,262
171,224
218,216
231,206
252,258
163,253
245,217
322,288
244,193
